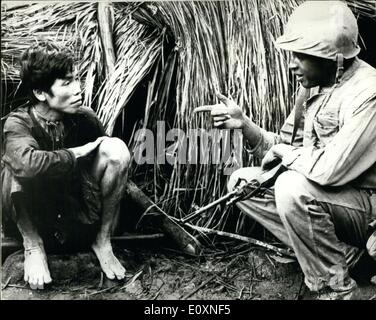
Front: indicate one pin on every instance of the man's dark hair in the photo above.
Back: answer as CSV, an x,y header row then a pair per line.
x,y
42,64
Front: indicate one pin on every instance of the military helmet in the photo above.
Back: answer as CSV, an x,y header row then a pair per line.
x,y
326,29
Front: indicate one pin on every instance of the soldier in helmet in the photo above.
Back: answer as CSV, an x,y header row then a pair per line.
x,y
322,206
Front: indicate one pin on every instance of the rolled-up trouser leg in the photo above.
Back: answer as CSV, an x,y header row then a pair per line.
x,y
315,221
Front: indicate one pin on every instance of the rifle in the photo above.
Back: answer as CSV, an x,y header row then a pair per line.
x,y
243,190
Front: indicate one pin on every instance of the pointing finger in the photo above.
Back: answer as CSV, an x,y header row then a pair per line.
x,y
217,124
203,109
221,118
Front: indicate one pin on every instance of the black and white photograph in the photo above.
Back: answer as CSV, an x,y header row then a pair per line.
x,y
191,151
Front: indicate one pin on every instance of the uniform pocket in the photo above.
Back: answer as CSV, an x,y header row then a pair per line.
x,y
326,126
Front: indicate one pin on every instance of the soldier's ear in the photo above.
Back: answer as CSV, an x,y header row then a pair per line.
x,y
39,94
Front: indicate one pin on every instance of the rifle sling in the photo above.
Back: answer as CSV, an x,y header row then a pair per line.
x,y
303,95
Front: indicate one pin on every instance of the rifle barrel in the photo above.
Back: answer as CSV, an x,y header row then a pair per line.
x,y
207,207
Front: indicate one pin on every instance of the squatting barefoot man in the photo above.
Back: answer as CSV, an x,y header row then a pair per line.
x,y
62,177
323,204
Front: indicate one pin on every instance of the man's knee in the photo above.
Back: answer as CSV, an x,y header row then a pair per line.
x,y
290,188
114,152
246,174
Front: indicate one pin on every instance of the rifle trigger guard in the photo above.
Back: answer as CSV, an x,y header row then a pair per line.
x,y
247,190
251,189
239,181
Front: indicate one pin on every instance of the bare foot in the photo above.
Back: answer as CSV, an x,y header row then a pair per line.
x,y
36,271
110,265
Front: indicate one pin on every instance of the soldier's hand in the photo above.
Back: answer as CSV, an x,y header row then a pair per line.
x,y
227,114
270,160
86,149
275,154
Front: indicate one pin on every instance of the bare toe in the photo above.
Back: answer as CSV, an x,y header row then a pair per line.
x,y
110,265
47,279
33,284
36,268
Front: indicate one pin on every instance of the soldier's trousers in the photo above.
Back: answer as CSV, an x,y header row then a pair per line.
x,y
325,226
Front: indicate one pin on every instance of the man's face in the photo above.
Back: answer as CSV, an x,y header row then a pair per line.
x,y
312,71
65,94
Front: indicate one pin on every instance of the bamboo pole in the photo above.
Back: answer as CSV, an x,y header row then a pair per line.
x,y
106,22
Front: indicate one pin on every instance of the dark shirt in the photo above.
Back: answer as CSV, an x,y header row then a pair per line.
x,y
29,151
42,170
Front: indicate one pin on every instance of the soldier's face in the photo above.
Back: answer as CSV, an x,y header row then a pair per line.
x,y
312,71
65,94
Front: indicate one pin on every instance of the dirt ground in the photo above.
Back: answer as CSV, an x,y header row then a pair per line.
x,y
231,272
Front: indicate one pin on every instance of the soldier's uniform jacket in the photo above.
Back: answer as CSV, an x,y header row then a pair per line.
x,y
336,139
